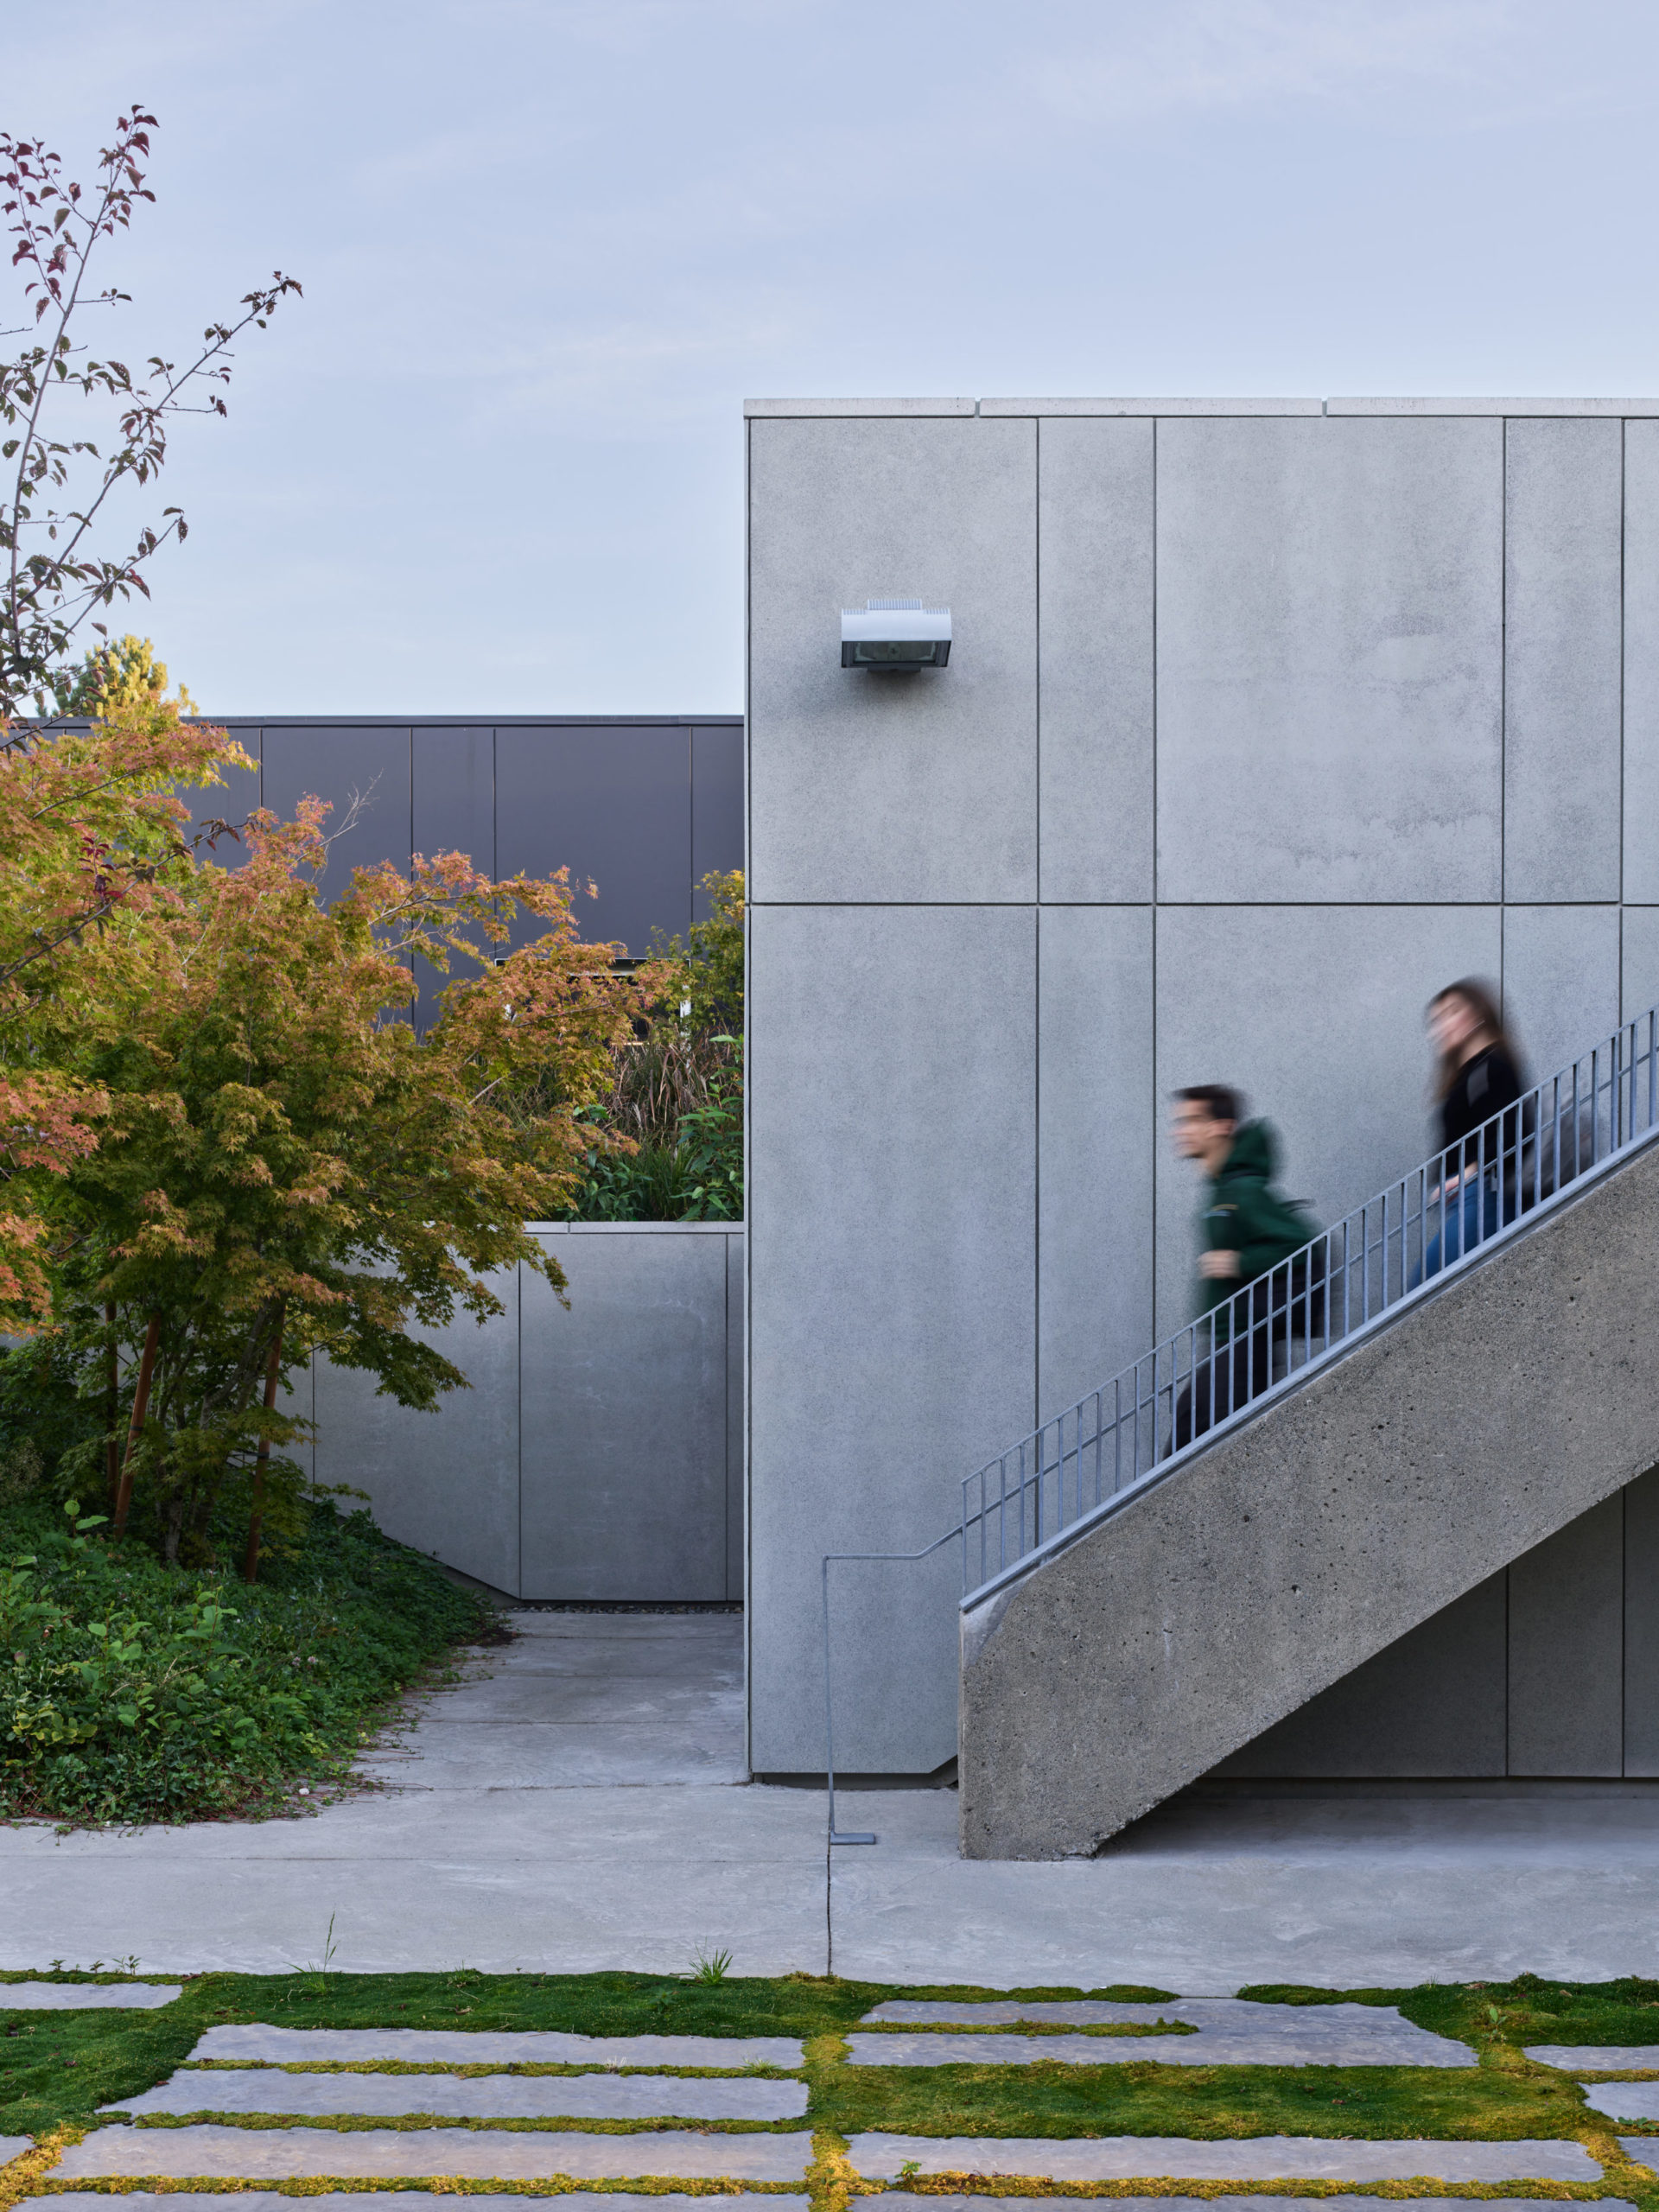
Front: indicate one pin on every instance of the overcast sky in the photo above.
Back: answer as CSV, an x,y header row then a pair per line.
x,y
493,462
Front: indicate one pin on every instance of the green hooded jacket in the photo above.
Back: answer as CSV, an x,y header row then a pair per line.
x,y
1242,1214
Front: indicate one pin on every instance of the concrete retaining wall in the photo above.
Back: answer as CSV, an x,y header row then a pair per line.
x,y
599,1454
1292,1551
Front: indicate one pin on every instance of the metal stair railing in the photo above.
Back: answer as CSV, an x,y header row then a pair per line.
x,y
1043,1492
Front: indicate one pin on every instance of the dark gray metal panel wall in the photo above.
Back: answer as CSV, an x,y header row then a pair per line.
x,y
614,807
454,796
645,809
716,806
363,770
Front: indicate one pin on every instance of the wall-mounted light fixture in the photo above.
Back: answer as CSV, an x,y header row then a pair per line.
x,y
899,635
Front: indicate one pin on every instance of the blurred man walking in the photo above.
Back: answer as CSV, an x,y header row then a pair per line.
x,y
1246,1234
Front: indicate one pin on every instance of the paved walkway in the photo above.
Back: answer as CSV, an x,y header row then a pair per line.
x,y
578,1803
324,2104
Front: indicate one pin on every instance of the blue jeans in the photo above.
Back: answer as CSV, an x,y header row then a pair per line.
x,y
1466,1224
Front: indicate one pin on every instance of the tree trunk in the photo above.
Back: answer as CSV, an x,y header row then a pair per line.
x,y
273,1370
140,1407
113,1409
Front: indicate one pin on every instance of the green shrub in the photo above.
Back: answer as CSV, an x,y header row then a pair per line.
x,y
132,1691
699,1177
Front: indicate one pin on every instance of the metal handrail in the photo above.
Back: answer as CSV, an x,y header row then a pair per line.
x,y
831,1558
1057,1480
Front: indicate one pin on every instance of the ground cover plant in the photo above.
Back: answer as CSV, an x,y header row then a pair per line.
x,y
132,1691
58,2069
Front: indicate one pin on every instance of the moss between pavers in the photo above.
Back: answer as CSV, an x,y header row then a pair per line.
x,y
55,2069
348,2123
469,2073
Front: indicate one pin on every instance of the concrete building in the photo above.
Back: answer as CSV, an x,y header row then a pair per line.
x,y
1262,722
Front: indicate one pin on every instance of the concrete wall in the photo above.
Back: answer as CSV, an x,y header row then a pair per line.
x,y
1490,1426
599,1453
1262,722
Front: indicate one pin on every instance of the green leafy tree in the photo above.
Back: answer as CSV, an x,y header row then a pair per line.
x,y
121,682
281,1167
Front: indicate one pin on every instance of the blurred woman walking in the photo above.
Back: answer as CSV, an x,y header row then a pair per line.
x,y
1477,1074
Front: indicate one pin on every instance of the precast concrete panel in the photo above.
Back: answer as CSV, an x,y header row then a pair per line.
x,y
1094,658
1330,643
871,788
1434,1703
623,1401
1640,883
445,1482
1639,960
1560,982
1563,683
1097,1128
1642,1626
734,1303
1567,1649
1316,1015
614,805
892,1061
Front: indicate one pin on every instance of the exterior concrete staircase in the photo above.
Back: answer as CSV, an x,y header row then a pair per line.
x,y
1142,1640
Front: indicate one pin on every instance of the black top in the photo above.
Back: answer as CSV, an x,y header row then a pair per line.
x,y
1484,1086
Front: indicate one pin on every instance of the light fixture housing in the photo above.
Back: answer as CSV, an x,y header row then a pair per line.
x,y
898,636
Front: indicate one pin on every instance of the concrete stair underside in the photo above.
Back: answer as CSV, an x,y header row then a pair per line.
x,y
1377,1492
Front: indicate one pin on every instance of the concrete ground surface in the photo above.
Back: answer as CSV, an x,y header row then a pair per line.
x,y
577,1802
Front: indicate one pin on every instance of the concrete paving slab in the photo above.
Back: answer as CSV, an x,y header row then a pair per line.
x,y
253,2040
546,1877
85,1996
1231,2031
488,1755
478,2154
896,2049
1069,2012
1624,2099
1261,2158
711,1628
458,2096
572,1882
899,2200
1597,2057
13,2146
1642,2148
678,1719
416,2200
1340,1893
524,1698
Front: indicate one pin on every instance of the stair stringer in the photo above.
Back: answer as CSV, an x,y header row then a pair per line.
x,y
1481,1419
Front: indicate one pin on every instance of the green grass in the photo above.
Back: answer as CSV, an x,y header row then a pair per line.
x,y
1206,2101
1529,2009
59,2068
